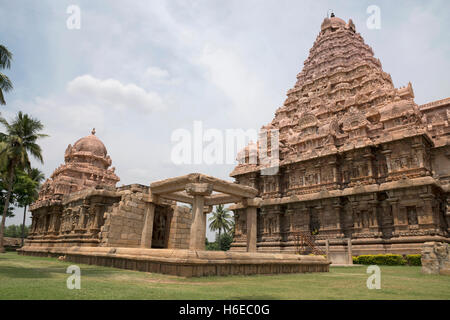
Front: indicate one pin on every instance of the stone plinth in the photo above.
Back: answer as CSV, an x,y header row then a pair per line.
x,y
436,258
187,263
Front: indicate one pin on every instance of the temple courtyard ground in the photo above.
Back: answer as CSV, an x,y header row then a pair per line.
x,y
24,277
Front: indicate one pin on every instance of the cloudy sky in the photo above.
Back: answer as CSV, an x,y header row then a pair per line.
x,y
139,70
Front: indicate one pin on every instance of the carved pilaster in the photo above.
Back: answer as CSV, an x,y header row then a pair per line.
x,y
337,211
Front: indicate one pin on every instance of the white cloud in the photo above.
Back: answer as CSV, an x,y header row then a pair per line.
x,y
156,75
156,72
113,93
227,70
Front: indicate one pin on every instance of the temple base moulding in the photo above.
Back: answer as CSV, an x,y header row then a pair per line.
x,y
185,263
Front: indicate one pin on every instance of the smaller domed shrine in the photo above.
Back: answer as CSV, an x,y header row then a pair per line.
x,y
86,166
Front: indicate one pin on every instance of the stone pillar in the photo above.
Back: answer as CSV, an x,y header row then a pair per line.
x,y
251,228
97,217
304,218
198,226
447,212
395,214
82,218
147,230
373,214
430,215
327,248
387,154
349,251
290,215
84,215
337,213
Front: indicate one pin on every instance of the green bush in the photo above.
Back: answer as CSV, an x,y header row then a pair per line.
x,y
214,246
225,241
15,231
380,259
414,259
221,244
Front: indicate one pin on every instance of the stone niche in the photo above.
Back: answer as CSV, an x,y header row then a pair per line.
x,y
436,258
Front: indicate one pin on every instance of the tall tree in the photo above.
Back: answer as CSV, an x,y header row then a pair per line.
x,y
19,140
5,63
26,190
220,220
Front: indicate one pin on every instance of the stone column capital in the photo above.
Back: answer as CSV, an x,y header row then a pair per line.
x,y
251,202
393,200
199,189
207,209
290,212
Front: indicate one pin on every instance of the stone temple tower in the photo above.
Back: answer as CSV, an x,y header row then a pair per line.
x,y
86,165
358,157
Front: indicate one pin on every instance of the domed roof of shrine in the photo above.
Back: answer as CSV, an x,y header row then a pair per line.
x,y
332,22
91,144
86,166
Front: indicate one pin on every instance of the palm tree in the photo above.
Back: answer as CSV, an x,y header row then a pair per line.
x,y
19,140
34,178
5,63
220,220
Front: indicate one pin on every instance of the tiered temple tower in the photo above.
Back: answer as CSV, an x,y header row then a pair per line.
x,y
58,218
86,165
80,205
359,158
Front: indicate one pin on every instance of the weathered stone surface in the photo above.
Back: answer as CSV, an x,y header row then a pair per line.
x,y
436,258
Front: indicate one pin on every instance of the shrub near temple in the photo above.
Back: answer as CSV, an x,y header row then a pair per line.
x,y
414,259
380,259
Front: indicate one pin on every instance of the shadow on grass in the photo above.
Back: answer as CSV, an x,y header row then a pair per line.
x,y
254,297
16,271
26,273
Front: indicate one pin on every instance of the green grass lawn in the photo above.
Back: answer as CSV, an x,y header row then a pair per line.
x,y
23,277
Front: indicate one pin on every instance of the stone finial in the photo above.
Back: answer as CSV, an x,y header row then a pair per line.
x,y
93,131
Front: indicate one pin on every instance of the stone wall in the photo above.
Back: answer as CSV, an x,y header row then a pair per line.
x,y
108,217
125,219
75,220
436,258
124,222
180,228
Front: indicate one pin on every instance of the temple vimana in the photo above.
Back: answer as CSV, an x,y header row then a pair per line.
x,y
81,205
359,160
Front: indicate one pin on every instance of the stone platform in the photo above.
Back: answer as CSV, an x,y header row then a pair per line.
x,y
185,263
